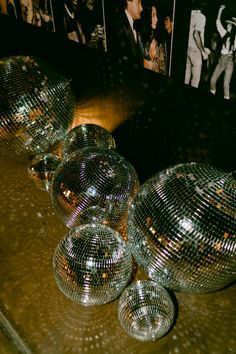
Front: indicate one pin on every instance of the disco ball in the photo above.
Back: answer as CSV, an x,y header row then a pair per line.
x,y
37,105
41,170
182,228
146,310
92,264
94,185
86,135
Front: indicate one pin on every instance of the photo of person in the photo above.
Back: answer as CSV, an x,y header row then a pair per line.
x,y
36,12
168,37
155,55
123,33
196,50
211,51
140,32
83,22
10,8
226,59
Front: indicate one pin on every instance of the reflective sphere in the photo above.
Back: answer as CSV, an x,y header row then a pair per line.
x,y
182,228
146,310
41,170
92,264
37,105
94,185
86,135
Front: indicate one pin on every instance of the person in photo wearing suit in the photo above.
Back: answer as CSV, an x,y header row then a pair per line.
x,y
124,38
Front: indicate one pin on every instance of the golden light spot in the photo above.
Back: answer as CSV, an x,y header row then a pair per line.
x,y
152,230
163,239
218,205
219,191
35,113
104,163
217,246
104,275
226,234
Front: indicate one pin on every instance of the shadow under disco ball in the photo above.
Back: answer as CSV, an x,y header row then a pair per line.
x,y
94,185
86,135
37,106
146,310
92,264
182,228
41,170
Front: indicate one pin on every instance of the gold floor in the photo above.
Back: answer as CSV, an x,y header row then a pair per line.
x,y
38,318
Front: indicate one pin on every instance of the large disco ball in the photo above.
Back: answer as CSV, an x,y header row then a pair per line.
x,y
92,264
94,185
37,105
86,135
146,310
182,228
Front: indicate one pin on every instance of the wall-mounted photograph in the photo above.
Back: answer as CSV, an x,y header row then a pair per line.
x,y
36,12
83,21
141,32
211,52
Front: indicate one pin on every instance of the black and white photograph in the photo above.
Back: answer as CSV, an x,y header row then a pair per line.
x,y
210,62
141,32
83,21
10,8
35,12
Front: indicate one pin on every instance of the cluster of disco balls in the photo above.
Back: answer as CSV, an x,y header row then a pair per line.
x,y
180,229
179,226
92,191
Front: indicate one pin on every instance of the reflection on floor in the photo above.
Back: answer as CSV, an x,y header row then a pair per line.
x,y
48,322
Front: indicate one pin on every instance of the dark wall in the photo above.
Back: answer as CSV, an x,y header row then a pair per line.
x,y
163,121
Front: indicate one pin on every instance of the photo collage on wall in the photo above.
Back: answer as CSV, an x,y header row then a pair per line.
x,y
82,21
101,24
36,12
211,50
196,38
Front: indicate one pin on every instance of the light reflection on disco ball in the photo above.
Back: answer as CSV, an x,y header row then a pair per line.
x,y
37,106
41,170
146,310
92,264
94,185
182,228
86,135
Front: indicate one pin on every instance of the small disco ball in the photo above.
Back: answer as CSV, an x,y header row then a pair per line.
x,y
92,264
86,135
41,170
94,185
37,105
182,228
146,310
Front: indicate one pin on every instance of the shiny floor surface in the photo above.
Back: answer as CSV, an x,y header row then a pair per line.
x,y
38,318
